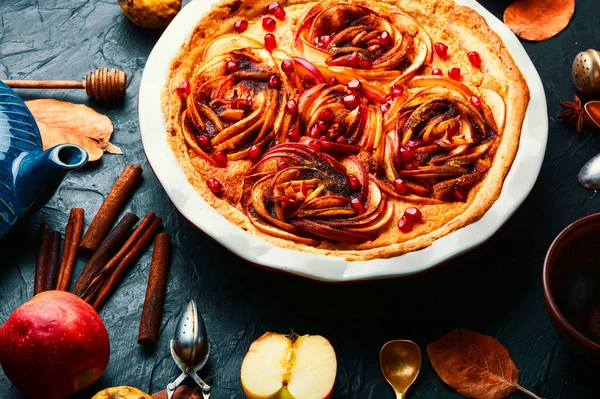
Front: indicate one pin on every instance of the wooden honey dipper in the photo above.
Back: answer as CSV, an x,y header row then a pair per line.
x,y
102,84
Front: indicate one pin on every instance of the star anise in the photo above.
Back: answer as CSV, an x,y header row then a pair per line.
x,y
573,112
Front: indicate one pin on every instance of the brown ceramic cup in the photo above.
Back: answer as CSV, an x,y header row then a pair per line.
x,y
571,279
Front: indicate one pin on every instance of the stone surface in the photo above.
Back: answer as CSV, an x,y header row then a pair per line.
x,y
495,289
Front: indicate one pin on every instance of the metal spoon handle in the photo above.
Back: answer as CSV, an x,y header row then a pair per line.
x,y
172,386
399,395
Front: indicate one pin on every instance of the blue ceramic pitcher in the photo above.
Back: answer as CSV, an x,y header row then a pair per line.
x,y
29,176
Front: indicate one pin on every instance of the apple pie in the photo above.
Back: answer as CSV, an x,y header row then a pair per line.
x,y
354,128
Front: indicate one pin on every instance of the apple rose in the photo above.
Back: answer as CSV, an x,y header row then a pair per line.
x,y
235,107
300,193
340,119
364,37
443,141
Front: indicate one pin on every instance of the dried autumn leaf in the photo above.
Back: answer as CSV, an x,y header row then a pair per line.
x,y
63,122
538,20
475,365
183,392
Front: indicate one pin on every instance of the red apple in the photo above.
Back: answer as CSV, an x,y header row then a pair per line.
x,y
53,346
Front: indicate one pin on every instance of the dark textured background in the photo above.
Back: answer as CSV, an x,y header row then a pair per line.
x,y
495,289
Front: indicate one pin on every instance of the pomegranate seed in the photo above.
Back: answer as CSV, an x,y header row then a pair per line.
x,y
254,152
407,154
404,224
413,214
231,67
454,73
184,88
221,159
437,71
204,141
474,58
351,101
353,182
294,134
275,82
365,64
332,81
271,7
315,132
326,114
270,42
385,38
269,24
291,105
357,205
385,108
323,138
459,194
441,49
355,85
476,101
323,126
240,26
410,166
214,185
400,186
279,13
287,66
341,139
353,60
308,82
282,165
414,144
389,98
325,40
316,144
397,91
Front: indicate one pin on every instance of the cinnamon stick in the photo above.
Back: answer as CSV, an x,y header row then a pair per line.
x,y
72,238
112,205
105,251
53,261
126,263
41,264
99,279
155,292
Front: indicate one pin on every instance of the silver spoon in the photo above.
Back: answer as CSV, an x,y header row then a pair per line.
x,y
589,175
190,350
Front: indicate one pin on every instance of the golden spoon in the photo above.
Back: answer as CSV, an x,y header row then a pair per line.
x,y
400,362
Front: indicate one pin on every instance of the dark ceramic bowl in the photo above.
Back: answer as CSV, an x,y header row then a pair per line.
x,y
572,286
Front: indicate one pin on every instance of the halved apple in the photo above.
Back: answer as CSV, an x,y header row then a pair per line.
x,y
279,366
